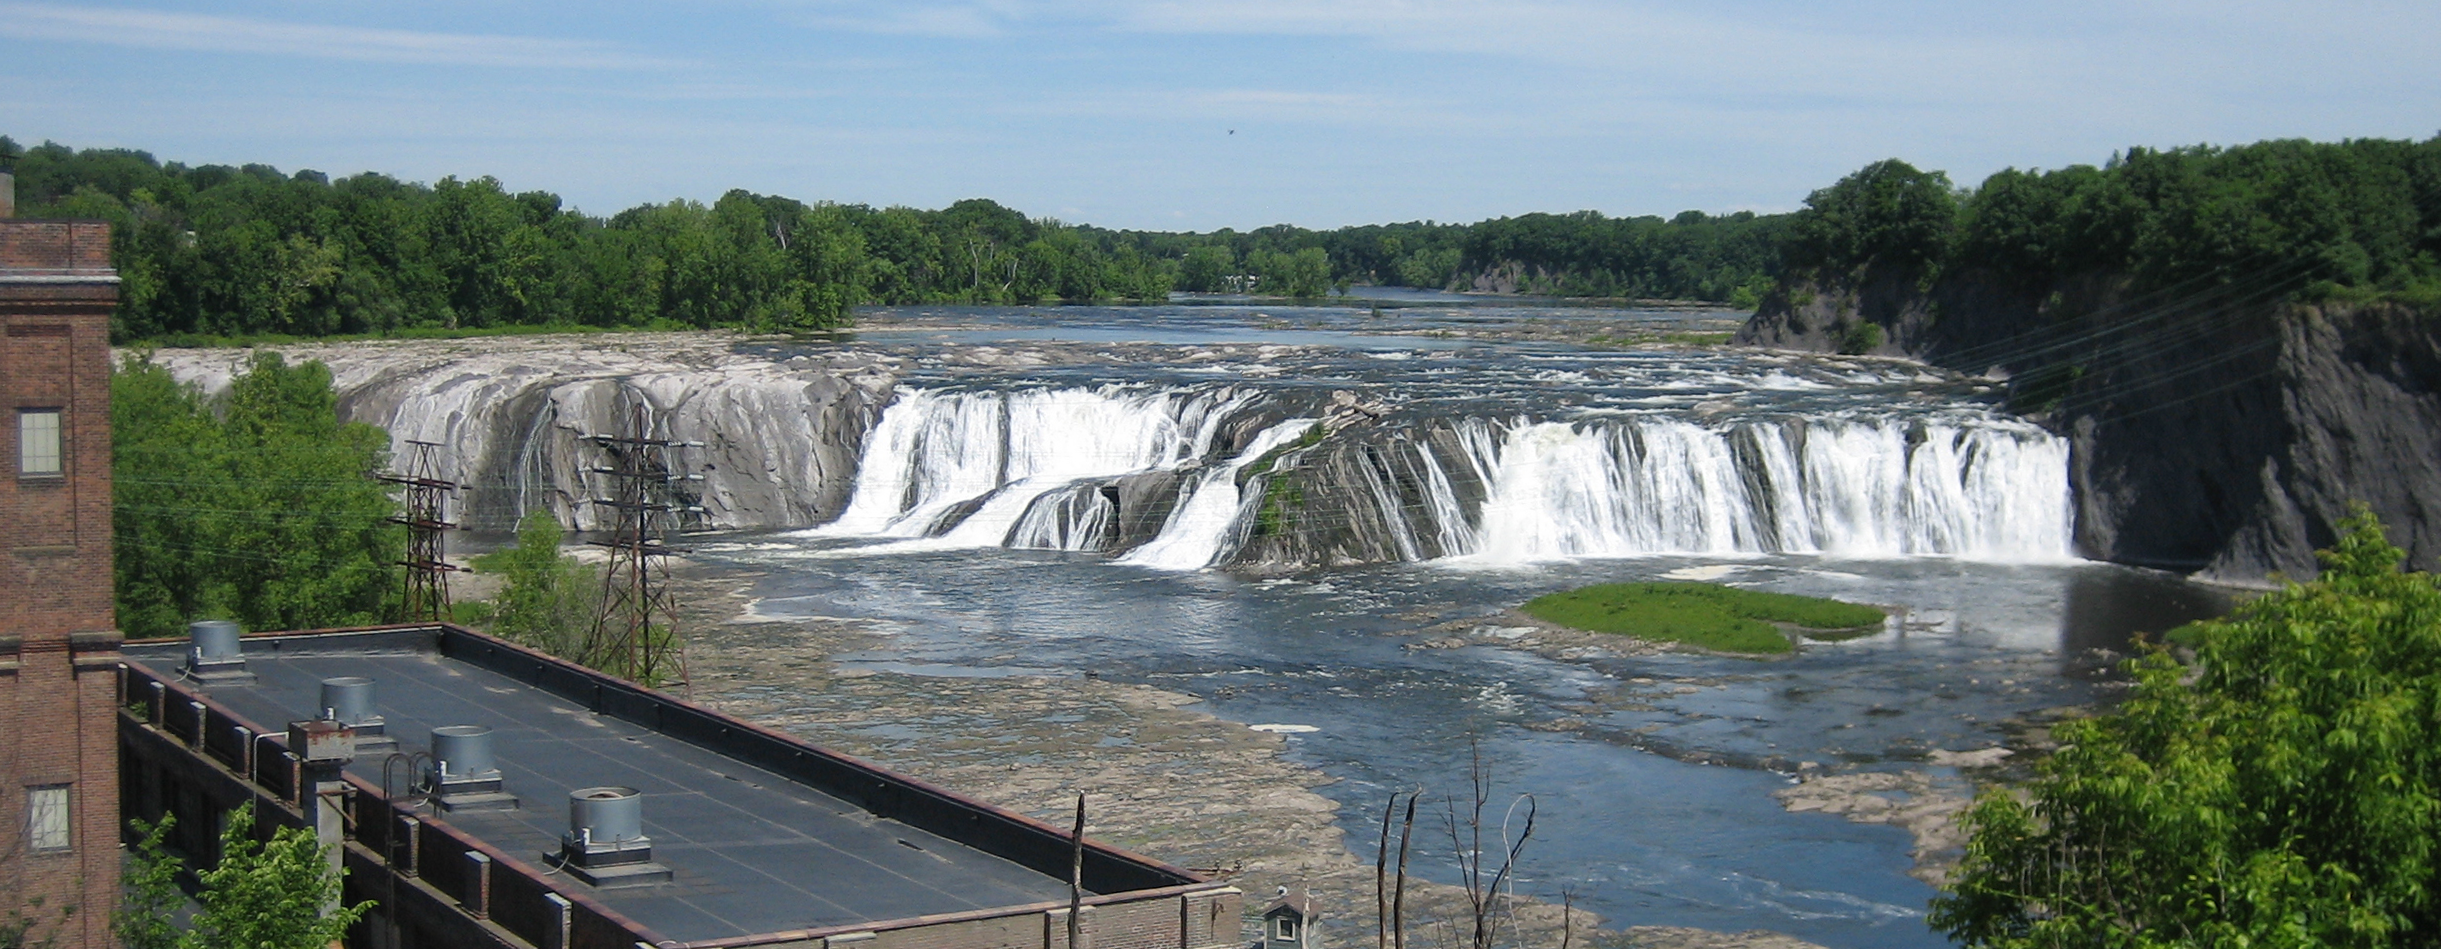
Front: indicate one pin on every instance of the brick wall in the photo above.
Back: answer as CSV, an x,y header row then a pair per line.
x,y
55,245
58,643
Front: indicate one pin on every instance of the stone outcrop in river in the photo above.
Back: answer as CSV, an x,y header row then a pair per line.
x,y
2217,433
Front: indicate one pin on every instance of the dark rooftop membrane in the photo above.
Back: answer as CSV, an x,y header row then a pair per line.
x,y
752,851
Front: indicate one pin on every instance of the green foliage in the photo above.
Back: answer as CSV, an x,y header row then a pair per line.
x,y
2357,219
547,601
2287,793
269,895
1860,337
1887,216
255,507
260,895
220,251
1702,614
145,914
1693,256
1305,274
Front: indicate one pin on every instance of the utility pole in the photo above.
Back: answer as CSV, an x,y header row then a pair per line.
x,y
635,634
427,595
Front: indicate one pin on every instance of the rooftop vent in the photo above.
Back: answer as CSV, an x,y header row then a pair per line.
x,y
348,700
213,656
469,779
605,844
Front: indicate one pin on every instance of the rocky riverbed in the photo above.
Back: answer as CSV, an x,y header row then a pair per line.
x,y
1159,777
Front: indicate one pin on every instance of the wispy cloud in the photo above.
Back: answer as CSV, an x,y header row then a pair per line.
x,y
149,29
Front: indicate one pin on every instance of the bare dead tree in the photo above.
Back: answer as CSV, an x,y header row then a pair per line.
x,y
1076,871
1381,879
1398,895
1466,837
1567,916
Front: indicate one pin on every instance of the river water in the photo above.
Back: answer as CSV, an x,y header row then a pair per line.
x,y
1541,447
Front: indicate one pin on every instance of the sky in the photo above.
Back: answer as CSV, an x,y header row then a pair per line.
x,y
1200,114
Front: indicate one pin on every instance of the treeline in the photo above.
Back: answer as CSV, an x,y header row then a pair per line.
x,y
2356,219
219,250
216,250
225,251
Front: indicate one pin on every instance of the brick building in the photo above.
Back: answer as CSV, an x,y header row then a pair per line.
x,y
59,646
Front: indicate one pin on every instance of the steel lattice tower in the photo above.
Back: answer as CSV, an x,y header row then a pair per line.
x,y
635,633
427,593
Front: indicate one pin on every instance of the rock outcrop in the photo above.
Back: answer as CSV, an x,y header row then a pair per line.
x,y
2217,433
779,439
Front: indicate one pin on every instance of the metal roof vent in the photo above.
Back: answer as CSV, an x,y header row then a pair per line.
x,y
213,656
605,844
469,778
348,700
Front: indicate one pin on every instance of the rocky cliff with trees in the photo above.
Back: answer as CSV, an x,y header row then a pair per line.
x,y
2239,341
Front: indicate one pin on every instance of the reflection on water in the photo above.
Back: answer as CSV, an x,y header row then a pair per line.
x,y
2108,609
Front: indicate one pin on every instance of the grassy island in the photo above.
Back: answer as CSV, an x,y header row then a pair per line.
x,y
1704,614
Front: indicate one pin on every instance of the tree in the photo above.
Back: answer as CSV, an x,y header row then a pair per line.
x,y
262,512
2286,792
548,600
260,895
1207,268
146,915
1305,274
1886,215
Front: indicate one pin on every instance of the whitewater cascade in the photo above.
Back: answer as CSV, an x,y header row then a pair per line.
x,y
1203,524
1021,468
1982,488
1044,469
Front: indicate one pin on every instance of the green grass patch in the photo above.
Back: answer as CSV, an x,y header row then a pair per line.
x,y
1704,614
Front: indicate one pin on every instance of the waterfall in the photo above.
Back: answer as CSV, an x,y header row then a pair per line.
x,y
1075,518
987,468
1980,488
1211,517
1043,469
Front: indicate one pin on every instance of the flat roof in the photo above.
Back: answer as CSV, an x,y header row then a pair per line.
x,y
753,850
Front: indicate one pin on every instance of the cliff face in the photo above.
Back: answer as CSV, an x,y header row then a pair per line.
x,y
2224,437
781,439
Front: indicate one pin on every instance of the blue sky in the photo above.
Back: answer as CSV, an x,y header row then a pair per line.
x,y
1121,113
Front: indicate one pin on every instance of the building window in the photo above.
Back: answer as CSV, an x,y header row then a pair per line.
x,y
46,817
1284,929
38,451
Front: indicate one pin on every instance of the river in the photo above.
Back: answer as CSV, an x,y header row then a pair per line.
x,y
1597,449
